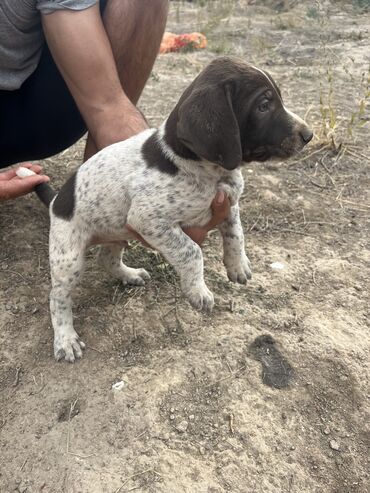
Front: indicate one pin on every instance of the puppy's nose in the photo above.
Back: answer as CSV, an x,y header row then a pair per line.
x,y
306,134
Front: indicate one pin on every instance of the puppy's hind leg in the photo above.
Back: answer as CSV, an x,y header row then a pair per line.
x,y
66,264
110,256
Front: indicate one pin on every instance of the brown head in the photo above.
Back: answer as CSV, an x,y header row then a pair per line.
x,y
233,112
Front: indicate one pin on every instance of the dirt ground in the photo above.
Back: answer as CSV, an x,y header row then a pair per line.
x,y
196,412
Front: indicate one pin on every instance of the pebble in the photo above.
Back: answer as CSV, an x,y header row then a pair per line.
x,y
191,417
334,445
326,431
118,385
277,266
182,426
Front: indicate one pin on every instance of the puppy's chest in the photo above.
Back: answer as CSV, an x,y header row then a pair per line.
x,y
190,203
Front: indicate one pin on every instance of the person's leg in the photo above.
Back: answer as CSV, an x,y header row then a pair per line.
x,y
135,30
41,118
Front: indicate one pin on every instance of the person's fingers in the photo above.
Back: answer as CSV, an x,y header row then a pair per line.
x,y
220,209
11,172
220,204
20,186
25,165
219,198
36,168
137,236
196,233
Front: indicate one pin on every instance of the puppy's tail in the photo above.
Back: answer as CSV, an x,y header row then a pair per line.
x,y
44,191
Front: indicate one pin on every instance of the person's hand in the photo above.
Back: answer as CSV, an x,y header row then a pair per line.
x,y
11,186
220,210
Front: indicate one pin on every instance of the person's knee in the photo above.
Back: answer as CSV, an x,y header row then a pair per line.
x,y
157,8
130,16
161,6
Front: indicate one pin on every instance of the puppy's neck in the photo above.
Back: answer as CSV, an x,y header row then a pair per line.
x,y
185,160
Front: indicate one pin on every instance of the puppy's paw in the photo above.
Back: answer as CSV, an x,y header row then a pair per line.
x,y
68,346
201,298
136,277
239,271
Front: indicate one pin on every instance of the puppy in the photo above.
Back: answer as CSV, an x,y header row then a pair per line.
x,y
164,179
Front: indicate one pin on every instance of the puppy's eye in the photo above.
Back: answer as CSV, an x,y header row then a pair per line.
x,y
264,106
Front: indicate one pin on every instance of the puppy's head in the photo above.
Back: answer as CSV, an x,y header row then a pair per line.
x,y
233,112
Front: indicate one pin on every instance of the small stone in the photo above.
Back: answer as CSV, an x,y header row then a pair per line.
x,y
118,385
191,417
172,410
182,426
292,447
334,445
277,266
326,431
172,417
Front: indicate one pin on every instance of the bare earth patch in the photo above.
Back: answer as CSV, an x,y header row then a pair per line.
x,y
196,412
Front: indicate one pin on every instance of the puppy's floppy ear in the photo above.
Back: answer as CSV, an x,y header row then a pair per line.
x,y
207,125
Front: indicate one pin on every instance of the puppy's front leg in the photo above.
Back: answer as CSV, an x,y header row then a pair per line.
x,y
184,255
236,262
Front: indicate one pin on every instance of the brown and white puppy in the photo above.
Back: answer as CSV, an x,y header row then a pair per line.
x,y
164,179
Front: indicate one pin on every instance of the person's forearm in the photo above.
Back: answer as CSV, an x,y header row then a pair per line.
x,y
81,49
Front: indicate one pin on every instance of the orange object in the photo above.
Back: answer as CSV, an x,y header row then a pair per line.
x,y
182,42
